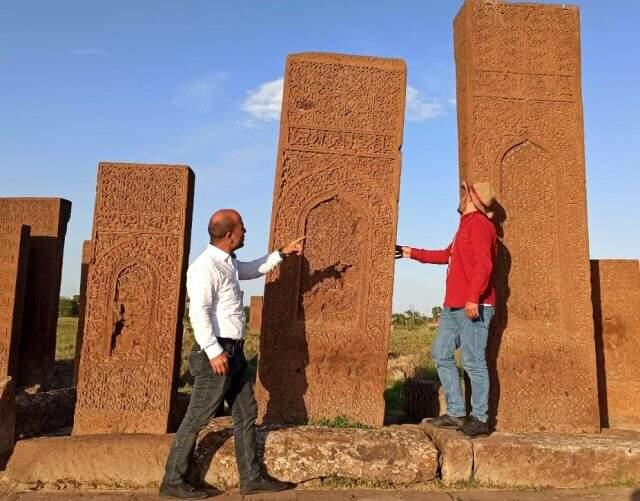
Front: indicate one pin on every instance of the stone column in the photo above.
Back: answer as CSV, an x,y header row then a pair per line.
x,y
616,314
324,339
135,299
14,255
520,127
48,218
255,320
84,269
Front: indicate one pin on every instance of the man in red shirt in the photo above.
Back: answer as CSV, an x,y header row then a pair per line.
x,y
469,306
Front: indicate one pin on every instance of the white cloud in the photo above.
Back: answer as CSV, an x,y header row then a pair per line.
x,y
199,94
89,51
420,108
265,102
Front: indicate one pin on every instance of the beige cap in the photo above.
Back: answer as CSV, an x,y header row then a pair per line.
x,y
483,196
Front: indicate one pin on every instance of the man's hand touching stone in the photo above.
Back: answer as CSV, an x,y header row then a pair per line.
x,y
403,251
294,247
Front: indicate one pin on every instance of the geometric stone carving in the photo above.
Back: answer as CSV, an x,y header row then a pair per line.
x,y
326,316
135,298
84,269
616,313
520,126
255,318
48,218
14,254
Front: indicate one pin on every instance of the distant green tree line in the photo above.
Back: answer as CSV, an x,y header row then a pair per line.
x,y
69,306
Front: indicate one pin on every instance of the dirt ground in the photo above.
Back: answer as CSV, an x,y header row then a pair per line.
x,y
608,493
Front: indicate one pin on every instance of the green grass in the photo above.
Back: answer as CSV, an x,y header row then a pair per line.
x,y
66,338
416,343
339,422
342,483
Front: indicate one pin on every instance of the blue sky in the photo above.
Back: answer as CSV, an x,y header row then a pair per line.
x,y
195,82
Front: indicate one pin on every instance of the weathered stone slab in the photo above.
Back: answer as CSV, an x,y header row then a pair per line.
x,y
255,319
616,312
44,412
397,454
14,255
84,270
135,298
7,413
455,453
325,328
48,218
556,460
520,127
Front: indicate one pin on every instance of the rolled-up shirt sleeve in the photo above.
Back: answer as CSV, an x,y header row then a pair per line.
x,y
248,270
201,285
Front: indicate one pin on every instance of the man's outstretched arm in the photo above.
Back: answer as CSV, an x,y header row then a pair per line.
x,y
426,256
248,270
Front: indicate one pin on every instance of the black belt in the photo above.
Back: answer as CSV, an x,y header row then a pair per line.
x,y
231,345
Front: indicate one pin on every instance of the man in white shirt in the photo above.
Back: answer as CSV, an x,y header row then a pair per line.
x,y
217,361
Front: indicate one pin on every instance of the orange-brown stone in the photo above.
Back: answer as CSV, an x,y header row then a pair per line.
x,y
47,218
255,315
84,269
135,299
324,339
616,312
14,255
520,127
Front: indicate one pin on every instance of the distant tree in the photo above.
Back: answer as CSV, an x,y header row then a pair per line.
x,y
436,311
398,320
68,307
247,314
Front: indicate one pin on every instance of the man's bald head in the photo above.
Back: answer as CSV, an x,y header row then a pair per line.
x,y
223,222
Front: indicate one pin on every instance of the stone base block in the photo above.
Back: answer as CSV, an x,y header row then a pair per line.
x,y
455,453
395,454
557,460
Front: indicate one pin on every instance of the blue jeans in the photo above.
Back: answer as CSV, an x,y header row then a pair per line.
x,y
455,331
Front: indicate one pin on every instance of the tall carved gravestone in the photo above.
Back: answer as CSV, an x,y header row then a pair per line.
x,y
520,127
134,299
48,218
255,313
326,319
14,255
84,270
616,313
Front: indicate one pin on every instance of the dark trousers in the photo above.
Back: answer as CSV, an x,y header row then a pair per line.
x,y
208,392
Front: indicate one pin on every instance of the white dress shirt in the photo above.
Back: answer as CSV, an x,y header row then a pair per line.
x,y
215,299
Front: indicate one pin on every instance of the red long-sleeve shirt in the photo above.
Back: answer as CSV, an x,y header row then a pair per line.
x,y
471,257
